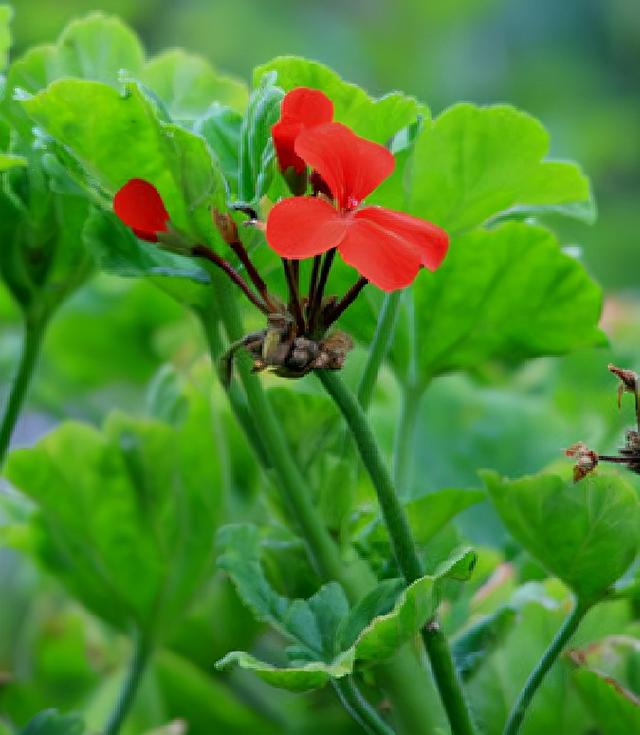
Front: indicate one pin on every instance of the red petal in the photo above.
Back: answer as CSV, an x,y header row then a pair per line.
x,y
301,108
352,166
284,137
429,240
140,207
306,106
301,227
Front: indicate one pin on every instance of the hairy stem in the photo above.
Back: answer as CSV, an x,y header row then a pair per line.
x,y
313,279
239,249
402,543
202,251
31,344
291,276
345,302
358,707
566,630
126,697
316,305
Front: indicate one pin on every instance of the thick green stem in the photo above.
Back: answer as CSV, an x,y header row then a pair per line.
x,y
379,347
32,341
567,629
393,513
127,695
447,678
358,707
416,711
402,543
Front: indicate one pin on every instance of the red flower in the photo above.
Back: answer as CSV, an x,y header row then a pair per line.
x,y
139,205
302,108
386,247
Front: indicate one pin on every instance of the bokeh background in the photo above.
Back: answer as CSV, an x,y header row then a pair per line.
x,y
573,63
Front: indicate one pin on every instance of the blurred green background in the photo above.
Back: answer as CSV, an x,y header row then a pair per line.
x,y
575,64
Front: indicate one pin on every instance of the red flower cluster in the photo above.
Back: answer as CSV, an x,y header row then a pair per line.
x,y
387,247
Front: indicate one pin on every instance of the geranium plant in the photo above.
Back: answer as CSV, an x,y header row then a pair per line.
x,y
253,526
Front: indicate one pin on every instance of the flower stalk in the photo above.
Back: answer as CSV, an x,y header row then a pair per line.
x,y
567,629
139,660
265,433
404,548
31,346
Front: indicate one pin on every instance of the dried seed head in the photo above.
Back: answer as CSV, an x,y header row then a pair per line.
x,y
586,460
628,381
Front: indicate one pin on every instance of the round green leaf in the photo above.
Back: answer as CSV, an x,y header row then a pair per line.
x,y
585,533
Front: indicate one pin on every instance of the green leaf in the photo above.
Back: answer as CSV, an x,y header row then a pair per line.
x,y
615,709
384,635
50,722
328,638
474,163
188,85
117,250
472,646
584,533
98,124
96,47
375,119
257,155
221,127
125,517
308,676
6,16
430,513
42,260
11,160
504,294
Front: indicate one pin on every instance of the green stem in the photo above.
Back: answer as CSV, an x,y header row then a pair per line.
x,y
320,545
357,706
403,451
236,399
32,341
447,678
379,347
402,543
567,629
392,511
402,674
126,697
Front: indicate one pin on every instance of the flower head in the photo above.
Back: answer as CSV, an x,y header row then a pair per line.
x,y
139,205
302,108
387,247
